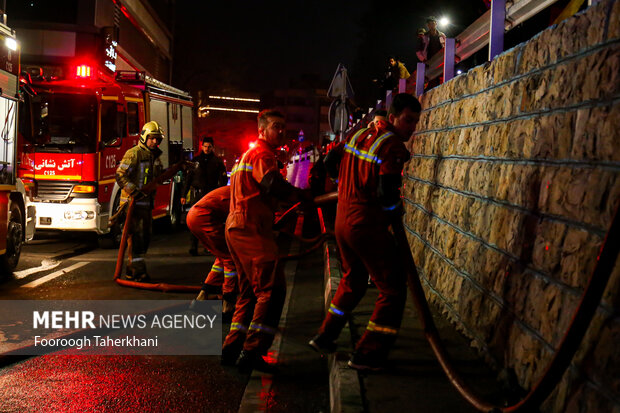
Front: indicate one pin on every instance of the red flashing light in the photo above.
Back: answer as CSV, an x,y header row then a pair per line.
x,y
83,71
252,144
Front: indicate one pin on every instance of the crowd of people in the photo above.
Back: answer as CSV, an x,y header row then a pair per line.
x,y
235,223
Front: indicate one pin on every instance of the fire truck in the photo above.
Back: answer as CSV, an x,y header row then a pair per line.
x,y
77,126
17,217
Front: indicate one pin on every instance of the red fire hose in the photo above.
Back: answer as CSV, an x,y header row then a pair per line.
x,y
315,244
570,342
569,345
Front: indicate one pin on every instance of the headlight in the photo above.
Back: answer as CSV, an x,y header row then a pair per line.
x,y
77,215
84,189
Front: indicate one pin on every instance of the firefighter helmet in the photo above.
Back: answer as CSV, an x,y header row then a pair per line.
x,y
150,128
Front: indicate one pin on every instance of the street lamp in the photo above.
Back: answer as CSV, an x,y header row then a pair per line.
x,y
444,22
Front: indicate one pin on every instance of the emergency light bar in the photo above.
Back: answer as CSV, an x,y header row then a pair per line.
x,y
83,71
11,43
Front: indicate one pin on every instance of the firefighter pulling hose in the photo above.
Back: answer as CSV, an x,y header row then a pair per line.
x,y
359,169
315,242
570,342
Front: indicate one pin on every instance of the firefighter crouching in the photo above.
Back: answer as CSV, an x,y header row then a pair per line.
x,y
369,180
139,166
256,185
207,221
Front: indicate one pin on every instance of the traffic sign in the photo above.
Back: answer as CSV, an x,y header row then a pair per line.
x,y
338,116
340,86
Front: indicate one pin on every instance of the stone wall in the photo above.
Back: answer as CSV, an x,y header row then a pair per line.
x,y
512,185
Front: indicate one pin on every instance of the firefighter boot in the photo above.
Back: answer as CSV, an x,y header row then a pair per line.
x,y
251,360
321,344
136,271
230,354
366,362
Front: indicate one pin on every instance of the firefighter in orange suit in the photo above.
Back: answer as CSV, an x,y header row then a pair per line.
x,y
370,168
256,187
207,221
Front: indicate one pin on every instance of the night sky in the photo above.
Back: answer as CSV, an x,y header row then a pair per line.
x,y
251,47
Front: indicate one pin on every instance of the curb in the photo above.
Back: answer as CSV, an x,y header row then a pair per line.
x,y
345,385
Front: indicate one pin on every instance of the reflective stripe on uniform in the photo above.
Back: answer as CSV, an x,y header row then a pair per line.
x,y
392,207
263,328
361,154
379,141
217,268
376,328
241,167
238,326
335,310
371,154
230,274
357,135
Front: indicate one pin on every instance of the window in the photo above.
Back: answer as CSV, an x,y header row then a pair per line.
x,y
133,118
113,123
62,123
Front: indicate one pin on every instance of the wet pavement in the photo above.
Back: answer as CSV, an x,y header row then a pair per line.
x,y
119,384
306,382
157,383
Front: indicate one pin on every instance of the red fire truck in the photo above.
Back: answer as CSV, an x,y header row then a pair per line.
x,y
76,129
16,216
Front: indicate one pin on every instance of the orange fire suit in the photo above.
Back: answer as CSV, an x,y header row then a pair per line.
x,y
250,237
364,240
207,221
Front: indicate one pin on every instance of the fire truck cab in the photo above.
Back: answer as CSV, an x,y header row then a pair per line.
x,y
17,216
75,132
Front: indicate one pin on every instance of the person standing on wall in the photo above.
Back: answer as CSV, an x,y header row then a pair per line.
x,y
371,163
140,165
209,173
432,43
396,71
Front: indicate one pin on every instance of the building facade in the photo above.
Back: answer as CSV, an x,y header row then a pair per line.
x,y
107,34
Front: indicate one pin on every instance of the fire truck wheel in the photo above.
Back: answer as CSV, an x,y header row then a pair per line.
x,y
14,241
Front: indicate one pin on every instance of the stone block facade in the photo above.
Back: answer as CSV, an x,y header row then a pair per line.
x,y
513,183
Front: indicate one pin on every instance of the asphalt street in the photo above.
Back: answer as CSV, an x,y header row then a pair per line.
x,y
70,266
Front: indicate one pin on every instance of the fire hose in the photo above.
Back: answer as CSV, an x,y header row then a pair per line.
x,y
570,342
315,243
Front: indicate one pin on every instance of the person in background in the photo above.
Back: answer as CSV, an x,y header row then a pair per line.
x,y
371,164
420,45
380,120
434,42
396,71
209,173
